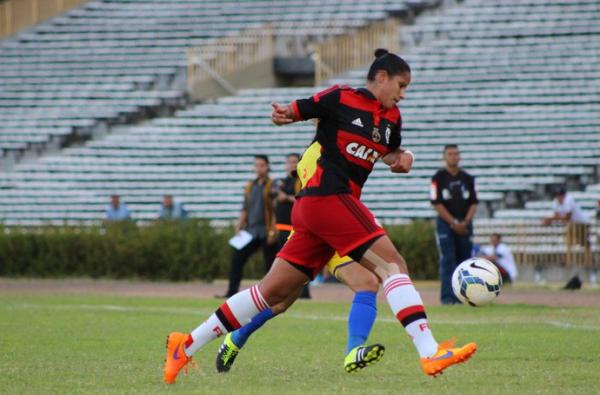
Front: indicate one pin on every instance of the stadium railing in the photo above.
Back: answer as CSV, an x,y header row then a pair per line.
x,y
340,54
227,56
546,246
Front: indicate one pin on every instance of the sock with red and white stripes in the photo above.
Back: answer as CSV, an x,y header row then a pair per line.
x,y
236,312
407,306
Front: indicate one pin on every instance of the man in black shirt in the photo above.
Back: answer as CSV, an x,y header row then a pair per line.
x,y
285,191
454,198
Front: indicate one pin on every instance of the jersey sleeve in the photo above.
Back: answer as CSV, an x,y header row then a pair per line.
x,y
396,137
435,192
473,192
320,105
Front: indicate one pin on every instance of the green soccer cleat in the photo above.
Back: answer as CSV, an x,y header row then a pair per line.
x,y
362,356
226,355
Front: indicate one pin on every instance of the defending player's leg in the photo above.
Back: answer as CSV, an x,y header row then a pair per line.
x,y
277,285
406,304
234,341
362,312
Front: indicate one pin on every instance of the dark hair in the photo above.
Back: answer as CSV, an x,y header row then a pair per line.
x,y
498,235
388,62
293,154
263,157
560,191
449,146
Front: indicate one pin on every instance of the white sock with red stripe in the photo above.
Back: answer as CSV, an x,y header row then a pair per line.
x,y
236,312
407,306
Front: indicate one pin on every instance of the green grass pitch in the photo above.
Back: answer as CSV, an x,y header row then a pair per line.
x,y
115,345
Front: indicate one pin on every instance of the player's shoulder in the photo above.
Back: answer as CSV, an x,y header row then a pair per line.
x,y
335,88
439,174
393,114
331,93
466,174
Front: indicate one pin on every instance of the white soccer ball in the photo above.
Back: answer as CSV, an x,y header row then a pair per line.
x,y
476,282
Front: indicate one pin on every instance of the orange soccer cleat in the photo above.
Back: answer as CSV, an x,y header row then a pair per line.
x,y
176,358
447,355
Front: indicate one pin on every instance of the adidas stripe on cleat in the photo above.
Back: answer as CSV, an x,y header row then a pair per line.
x,y
362,356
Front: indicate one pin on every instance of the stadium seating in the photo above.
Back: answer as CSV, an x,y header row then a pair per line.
x,y
111,62
518,92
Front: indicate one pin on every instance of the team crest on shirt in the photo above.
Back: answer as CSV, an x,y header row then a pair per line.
x,y
375,135
388,133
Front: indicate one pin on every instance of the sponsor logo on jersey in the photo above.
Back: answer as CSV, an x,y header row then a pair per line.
x,y
388,133
362,152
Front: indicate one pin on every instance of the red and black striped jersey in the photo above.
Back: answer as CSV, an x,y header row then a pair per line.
x,y
354,131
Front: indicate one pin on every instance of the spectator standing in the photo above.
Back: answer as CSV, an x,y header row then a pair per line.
x,y
500,255
567,212
117,211
257,218
454,198
171,209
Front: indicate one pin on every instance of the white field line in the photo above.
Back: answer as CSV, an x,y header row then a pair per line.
x,y
312,317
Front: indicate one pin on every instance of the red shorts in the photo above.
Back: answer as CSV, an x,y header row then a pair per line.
x,y
326,224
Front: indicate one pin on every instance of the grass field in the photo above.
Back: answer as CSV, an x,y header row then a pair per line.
x,y
99,344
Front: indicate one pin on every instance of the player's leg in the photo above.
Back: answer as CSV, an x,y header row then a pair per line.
x,y
349,227
363,312
282,280
383,259
269,252
309,255
234,341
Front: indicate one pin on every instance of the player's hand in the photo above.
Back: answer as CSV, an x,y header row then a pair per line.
x,y
461,228
282,115
403,162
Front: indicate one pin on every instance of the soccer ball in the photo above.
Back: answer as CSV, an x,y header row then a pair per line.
x,y
476,282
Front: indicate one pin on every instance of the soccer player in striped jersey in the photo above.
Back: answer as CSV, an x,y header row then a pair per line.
x,y
356,128
363,310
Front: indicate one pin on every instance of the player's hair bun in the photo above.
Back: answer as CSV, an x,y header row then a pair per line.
x,y
379,52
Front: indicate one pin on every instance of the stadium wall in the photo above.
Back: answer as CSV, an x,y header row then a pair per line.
x,y
16,15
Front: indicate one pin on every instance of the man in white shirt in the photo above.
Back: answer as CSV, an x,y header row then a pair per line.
x,y
500,254
567,211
